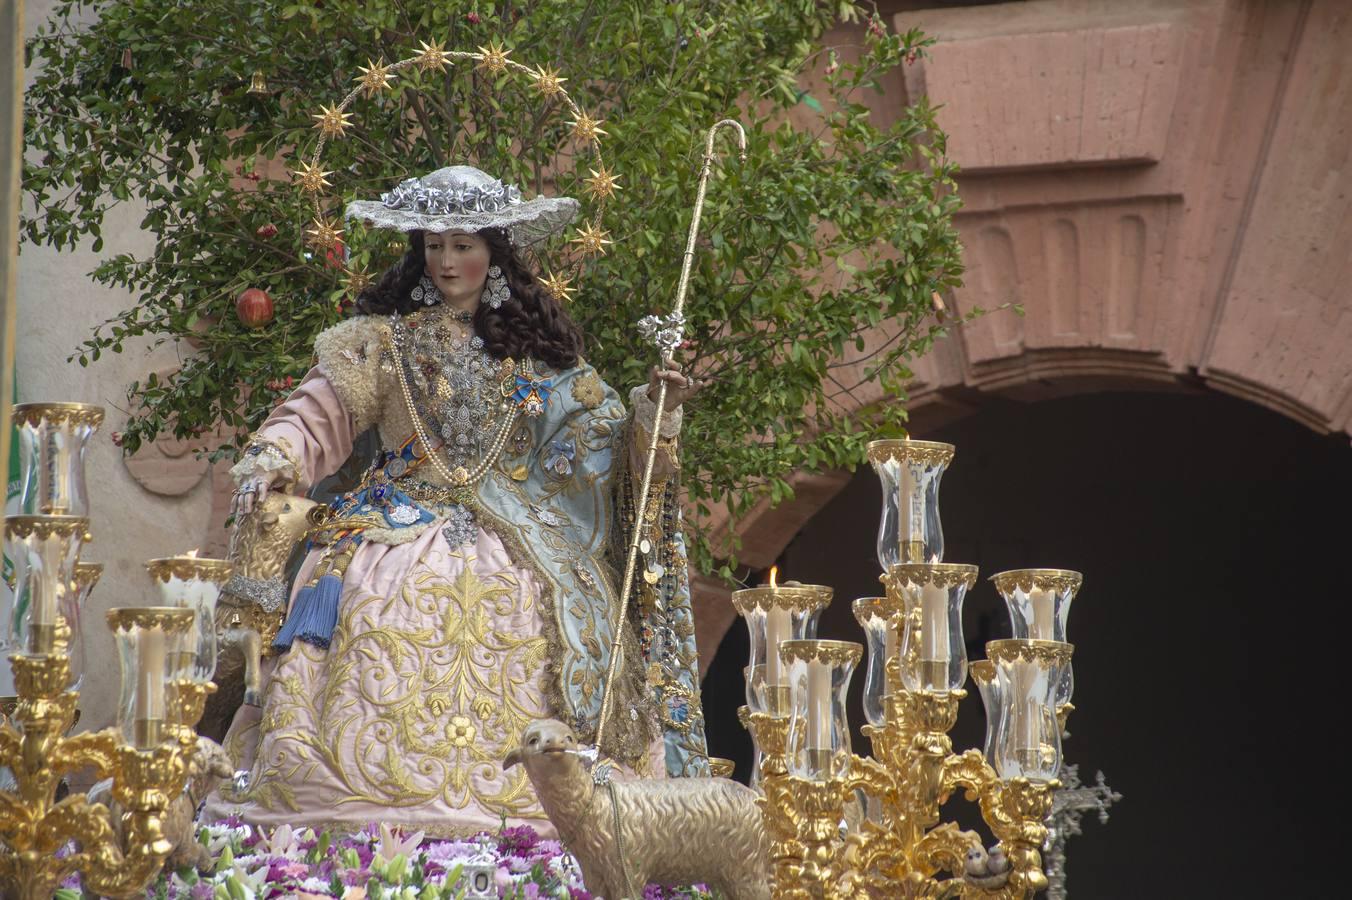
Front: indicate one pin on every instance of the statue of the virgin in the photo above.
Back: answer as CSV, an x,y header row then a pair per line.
x,y
467,584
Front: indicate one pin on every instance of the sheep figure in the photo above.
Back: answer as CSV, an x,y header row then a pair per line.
x,y
673,831
208,764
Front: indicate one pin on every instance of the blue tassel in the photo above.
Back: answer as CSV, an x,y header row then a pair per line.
x,y
313,616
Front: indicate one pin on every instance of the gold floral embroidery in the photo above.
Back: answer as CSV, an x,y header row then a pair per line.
x,y
394,714
587,389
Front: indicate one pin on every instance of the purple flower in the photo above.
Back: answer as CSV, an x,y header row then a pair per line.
x,y
356,877
578,894
519,839
203,890
531,891
280,869
549,847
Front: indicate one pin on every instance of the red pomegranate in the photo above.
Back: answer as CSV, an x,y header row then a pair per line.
x,y
254,307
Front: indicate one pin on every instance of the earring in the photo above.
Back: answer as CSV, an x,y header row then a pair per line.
x,y
426,291
497,287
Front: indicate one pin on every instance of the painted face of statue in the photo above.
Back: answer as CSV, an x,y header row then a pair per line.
x,y
458,262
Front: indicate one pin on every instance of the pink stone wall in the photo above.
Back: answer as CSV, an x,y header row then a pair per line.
x,y
1164,188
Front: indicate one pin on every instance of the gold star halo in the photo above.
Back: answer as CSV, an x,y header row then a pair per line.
x,y
603,183
332,121
585,128
356,280
375,77
494,58
311,178
433,57
559,287
323,234
548,82
592,240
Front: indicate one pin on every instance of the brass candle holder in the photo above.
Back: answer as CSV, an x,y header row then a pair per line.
x,y
897,847
118,852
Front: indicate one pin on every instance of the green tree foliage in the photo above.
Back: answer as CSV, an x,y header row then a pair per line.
x,y
837,226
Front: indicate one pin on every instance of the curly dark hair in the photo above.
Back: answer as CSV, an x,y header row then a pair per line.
x,y
529,325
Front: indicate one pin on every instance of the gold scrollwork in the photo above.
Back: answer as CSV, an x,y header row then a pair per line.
x,y
929,453
940,575
795,597
87,575
172,619
832,653
866,608
1059,580
35,414
1047,653
189,568
983,671
45,527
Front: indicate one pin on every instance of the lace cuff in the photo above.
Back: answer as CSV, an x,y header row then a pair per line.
x,y
267,457
645,411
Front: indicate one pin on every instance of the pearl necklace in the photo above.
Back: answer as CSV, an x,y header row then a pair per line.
x,y
460,476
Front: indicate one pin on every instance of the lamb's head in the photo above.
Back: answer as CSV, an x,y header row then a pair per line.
x,y
209,762
547,745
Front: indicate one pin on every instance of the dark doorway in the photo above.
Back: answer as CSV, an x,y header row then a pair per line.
x,y
1212,535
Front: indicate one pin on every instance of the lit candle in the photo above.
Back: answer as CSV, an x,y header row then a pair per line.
x,y
778,628
934,654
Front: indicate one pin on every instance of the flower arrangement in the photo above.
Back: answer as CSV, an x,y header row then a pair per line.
x,y
377,862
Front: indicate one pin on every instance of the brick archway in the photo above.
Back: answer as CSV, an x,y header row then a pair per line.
x,y
1163,188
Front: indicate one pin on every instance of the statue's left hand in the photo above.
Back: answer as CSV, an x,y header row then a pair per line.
x,y
679,387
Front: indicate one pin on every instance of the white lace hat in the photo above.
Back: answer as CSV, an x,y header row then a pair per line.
x,y
463,197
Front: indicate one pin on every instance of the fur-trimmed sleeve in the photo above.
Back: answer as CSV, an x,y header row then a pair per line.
x,y
349,356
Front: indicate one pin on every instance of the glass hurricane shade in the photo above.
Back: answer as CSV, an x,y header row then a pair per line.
x,y
1027,741
983,674
87,575
190,582
44,551
819,733
52,440
1039,609
910,530
786,612
933,651
149,643
881,618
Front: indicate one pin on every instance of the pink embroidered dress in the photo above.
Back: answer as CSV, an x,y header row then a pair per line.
x,y
466,610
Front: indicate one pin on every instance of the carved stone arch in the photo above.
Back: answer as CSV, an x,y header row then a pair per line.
x,y
1163,189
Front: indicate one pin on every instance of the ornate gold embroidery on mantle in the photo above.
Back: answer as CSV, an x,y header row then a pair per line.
x,y
418,699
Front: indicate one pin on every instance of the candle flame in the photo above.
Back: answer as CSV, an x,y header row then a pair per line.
x,y
774,571
191,554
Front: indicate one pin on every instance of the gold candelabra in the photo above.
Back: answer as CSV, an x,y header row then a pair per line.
x,y
842,825
167,654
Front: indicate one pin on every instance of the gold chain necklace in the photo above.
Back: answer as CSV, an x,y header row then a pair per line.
x,y
460,476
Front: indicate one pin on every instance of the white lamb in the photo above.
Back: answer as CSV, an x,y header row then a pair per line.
x,y
673,831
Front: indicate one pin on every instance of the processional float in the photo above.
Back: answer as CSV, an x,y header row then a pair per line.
x,y
840,825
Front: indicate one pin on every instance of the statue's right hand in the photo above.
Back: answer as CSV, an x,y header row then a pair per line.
x,y
250,495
